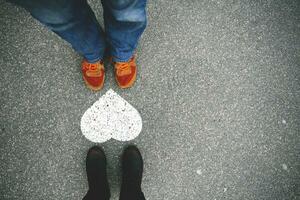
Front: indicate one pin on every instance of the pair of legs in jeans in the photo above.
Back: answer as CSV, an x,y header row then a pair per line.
x,y
75,22
132,170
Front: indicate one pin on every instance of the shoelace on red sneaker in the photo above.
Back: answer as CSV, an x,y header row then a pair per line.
x,y
124,68
91,67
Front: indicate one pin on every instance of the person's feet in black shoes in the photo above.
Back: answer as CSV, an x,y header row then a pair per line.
x,y
96,174
132,172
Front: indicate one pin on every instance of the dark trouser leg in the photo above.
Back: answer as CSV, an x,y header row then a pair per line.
x,y
93,196
132,172
96,174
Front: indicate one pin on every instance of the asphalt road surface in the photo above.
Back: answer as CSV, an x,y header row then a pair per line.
x,y
218,90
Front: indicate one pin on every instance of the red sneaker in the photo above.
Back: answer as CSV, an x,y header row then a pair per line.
x,y
125,73
93,74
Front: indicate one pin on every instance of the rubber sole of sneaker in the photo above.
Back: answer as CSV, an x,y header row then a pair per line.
x,y
93,87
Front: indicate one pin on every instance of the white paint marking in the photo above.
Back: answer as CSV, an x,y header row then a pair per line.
x,y
111,117
225,190
284,166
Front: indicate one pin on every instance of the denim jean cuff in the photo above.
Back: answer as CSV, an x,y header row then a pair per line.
x,y
122,57
94,57
93,60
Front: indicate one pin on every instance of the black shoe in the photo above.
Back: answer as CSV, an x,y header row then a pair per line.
x,y
132,172
96,174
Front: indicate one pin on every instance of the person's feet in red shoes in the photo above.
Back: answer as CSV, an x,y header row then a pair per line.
x,y
125,73
93,74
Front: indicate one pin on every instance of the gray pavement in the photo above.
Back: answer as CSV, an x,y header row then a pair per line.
x,y
218,90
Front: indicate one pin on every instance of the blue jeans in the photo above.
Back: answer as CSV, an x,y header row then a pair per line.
x,y
75,22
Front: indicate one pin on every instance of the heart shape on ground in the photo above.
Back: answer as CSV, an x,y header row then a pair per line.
x,y
111,117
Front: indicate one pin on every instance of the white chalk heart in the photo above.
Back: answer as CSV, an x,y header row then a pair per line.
x,y
111,117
